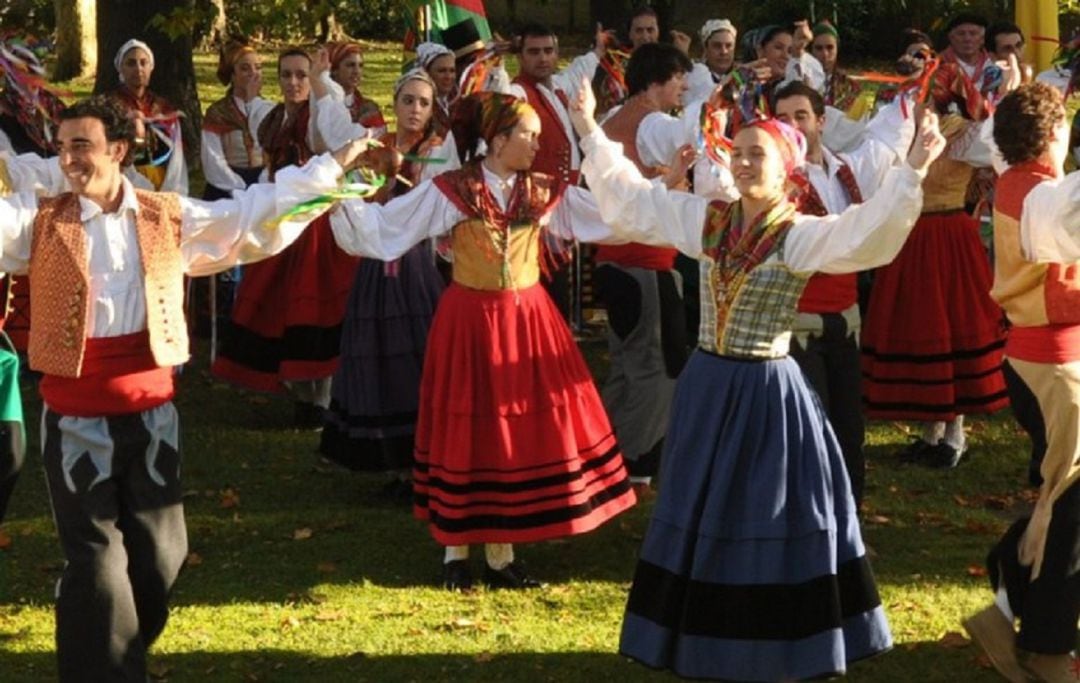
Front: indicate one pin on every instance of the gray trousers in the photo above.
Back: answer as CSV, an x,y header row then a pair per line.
x,y
114,484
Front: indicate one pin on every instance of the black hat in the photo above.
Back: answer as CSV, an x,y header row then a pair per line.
x,y
463,38
965,18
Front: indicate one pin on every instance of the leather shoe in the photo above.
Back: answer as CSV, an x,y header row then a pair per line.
x,y
914,451
1050,668
511,576
457,576
943,456
992,632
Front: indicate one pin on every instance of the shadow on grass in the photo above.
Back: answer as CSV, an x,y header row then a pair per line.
x,y
917,662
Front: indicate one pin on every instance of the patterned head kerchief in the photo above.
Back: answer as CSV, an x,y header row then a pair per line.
x,y
231,53
499,113
426,53
414,74
713,25
127,47
788,139
339,51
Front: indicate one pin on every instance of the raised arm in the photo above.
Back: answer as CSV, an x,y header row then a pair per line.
x,y
218,235
885,143
17,212
386,231
870,234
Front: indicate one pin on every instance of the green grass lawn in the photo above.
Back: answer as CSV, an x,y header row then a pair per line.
x,y
299,572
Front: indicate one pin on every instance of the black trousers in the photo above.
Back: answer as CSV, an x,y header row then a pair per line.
x,y
1028,414
12,456
1049,606
831,365
114,483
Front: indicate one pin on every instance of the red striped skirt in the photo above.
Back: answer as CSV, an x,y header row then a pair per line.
x,y
933,339
512,442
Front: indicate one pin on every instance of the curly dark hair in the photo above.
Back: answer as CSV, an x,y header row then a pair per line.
x,y
103,108
1025,120
655,63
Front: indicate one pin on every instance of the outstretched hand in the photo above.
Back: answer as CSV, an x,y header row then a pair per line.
x,y
929,142
320,62
583,109
602,39
676,176
347,155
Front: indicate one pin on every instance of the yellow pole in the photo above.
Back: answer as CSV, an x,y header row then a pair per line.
x,y
1038,19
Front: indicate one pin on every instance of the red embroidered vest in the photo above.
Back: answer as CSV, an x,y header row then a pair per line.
x,y
555,153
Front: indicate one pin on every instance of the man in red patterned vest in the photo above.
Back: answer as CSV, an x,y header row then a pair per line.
x,y
107,264
826,332
549,92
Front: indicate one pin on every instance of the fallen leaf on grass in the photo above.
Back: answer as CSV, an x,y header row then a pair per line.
x,y
961,501
193,560
330,615
303,534
230,498
326,567
483,657
983,661
980,527
5,540
158,670
878,519
976,570
289,622
953,640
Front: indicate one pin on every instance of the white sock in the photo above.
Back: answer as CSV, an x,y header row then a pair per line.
x,y
1001,599
933,432
321,392
954,433
499,555
456,552
641,480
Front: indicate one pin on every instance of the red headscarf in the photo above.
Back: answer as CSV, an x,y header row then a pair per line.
x,y
339,51
788,139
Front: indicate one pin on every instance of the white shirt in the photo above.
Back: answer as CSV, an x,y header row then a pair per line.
x,y
864,236
1050,221
214,237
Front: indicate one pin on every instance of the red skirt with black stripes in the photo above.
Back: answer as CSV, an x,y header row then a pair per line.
x,y
512,443
933,339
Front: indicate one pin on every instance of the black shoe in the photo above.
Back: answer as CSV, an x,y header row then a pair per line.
x,y
511,576
457,576
915,451
308,415
943,456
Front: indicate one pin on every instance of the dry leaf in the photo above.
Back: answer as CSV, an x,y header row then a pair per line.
x,y
462,622
953,640
483,657
326,567
961,501
193,560
5,540
158,670
290,622
230,498
977,570
330,615
878,519
302,534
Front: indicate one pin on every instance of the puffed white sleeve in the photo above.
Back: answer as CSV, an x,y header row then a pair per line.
x,y
636,209
660,135
864,236
699,83
569,79
176,172
386,231
1050,221
220,234
331,126
215,167
32,173
17,212
885,142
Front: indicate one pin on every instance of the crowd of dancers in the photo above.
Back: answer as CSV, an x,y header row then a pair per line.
x,y
419,316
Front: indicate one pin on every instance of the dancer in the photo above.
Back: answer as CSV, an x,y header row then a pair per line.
x,y
285,331
753,567
932,338
159,144
375,394
512,443
1035,567
106,265
347,70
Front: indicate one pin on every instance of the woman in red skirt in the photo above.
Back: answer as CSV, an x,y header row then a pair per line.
x,y
285,330
933,339
512,442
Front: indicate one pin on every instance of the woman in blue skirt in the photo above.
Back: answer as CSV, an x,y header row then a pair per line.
x,y
753,567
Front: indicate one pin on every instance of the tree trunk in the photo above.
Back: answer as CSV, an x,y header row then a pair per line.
x,y
76,39
174,72
218,33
